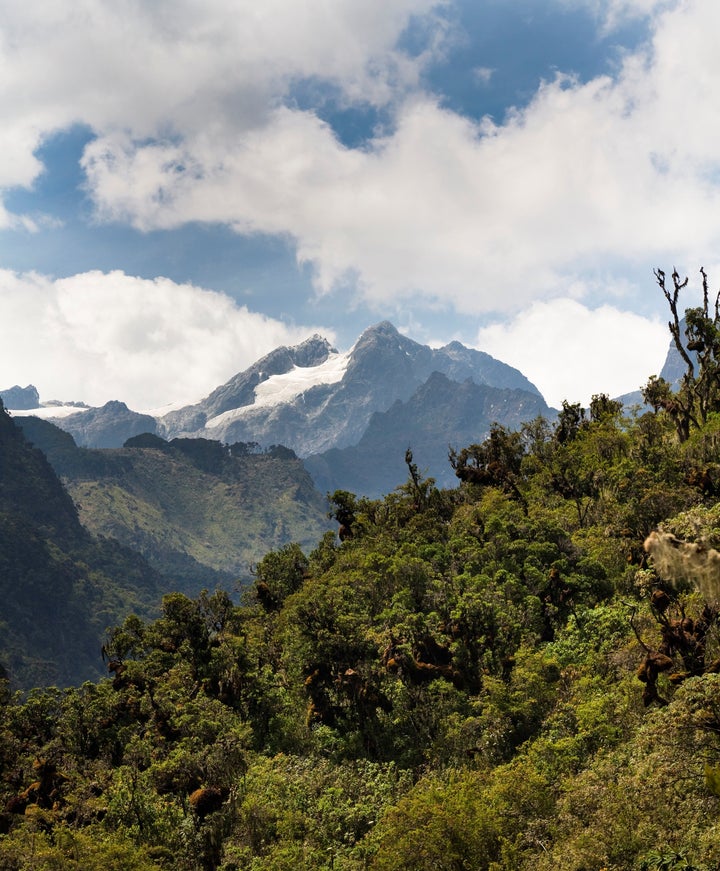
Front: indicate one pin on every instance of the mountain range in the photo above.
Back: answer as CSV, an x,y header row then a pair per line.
x,y
105,509
350,416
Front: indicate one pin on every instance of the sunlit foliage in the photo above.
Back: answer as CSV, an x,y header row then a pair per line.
x,y
502,676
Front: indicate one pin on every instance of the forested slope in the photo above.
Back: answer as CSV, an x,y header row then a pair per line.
x,y
495,677
200,512
59,588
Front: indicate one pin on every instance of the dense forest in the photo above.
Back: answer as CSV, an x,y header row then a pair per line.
x,y
522,672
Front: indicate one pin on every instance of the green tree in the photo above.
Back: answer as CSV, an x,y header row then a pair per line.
x,y
497,462
279,574
699,392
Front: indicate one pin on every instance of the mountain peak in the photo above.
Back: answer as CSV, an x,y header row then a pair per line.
x,y
384,328
386,338
309,397
20,398
312,351
381,333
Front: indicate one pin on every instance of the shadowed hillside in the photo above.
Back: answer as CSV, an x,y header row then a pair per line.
x,y
59,587
197,510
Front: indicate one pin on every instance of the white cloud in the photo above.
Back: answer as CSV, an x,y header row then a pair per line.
x,y
174,69
191,106
96,337
588,178
572,352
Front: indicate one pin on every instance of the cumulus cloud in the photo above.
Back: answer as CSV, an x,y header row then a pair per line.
x,y
100,336
191,106
570,351
483,216
173,69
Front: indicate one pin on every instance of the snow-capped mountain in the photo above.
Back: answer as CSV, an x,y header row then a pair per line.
x,y
241,391
311,398
344,412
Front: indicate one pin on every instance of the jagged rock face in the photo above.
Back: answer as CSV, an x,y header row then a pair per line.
x,y
106,427
672,371
382,368
20,398
309,398
482,369
674,366
441,413
239,391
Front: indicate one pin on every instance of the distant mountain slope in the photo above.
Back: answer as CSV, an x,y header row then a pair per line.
x,y
198,511
20,397
59,588
316,401
674,366
106,427
439,414
239,391
672,370
334,412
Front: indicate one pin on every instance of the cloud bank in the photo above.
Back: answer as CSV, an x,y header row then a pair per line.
x,y
197,121
572,352
199,112
481,215
95,337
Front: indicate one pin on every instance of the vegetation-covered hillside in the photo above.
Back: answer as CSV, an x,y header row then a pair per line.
x,y
520,673
59,587
200,512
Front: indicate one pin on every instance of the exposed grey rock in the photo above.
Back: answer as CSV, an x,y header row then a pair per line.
x,y
440,413
672,371
239,391
674,366
20,398
482,369
384,367
59,403
106,427
419,396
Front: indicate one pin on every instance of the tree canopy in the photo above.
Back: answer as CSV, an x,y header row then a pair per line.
x,y
522,672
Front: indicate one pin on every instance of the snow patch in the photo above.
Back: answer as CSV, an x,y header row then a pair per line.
x,y
280,389
48,411
162,410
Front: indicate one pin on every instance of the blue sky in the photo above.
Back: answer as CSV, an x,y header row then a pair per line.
x,y
186,185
